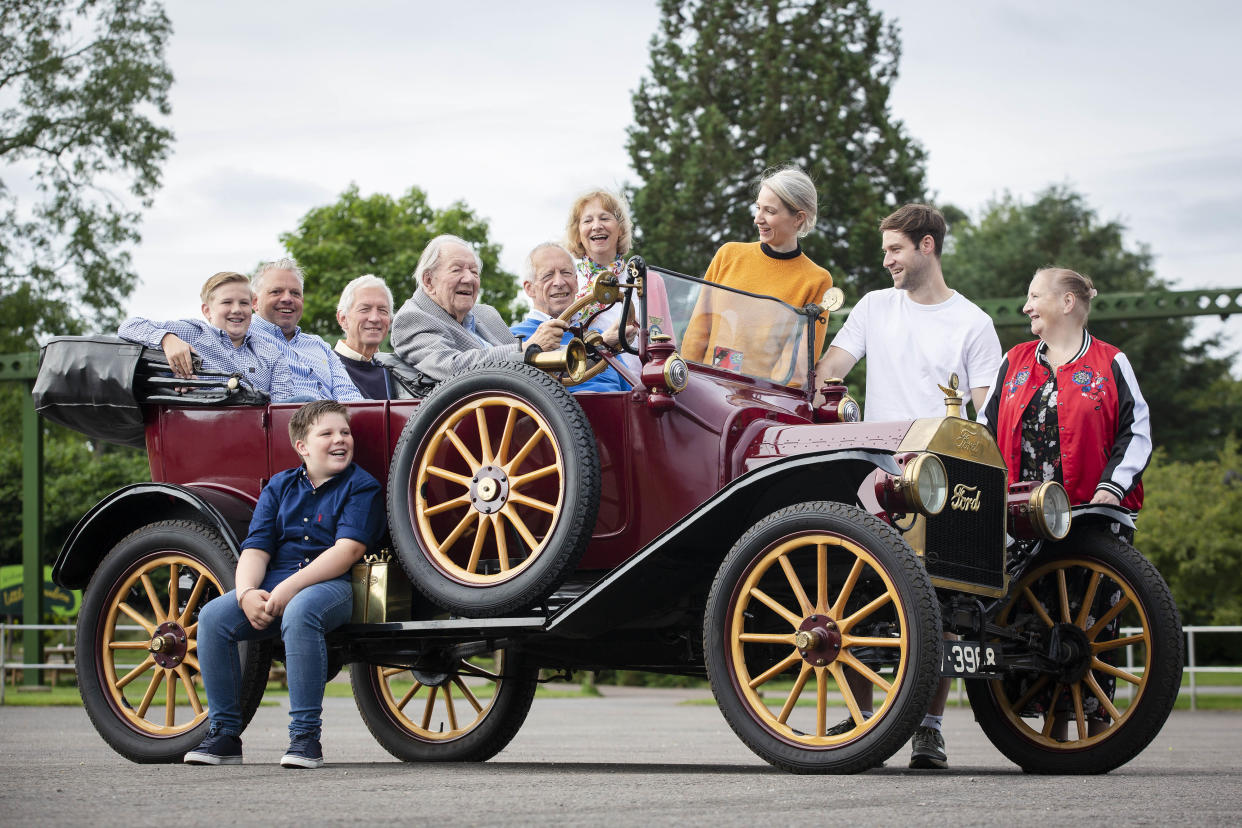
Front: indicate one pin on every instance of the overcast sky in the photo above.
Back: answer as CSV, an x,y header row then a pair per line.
x,y
516,107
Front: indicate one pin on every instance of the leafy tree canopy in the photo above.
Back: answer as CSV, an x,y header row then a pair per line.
x,y
1199,557
997,256
83,84
385,236
734,88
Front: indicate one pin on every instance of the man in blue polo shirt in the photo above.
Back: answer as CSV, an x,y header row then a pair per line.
x,y
317,373
311,524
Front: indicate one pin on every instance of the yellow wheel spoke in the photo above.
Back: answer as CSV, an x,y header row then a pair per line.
x,y
157,606
137,617
1063,596
866,672
847,589
1079,717
520,525
448,505
775,669
449,708
389,672
502,543
1099,693
764,638
523,452
523,500
409,694
147,697
1107,618
467,695
776,607
847,692
191,662
1021,703
1050,718
146,664
173,589
506,437
189,634
821,702
461,449
128,645
803,602
462,526
429,708
468,669
851,641
1116,643
821,578
795,693
1038,607
485,442
477,549
874,604
191,692
530,477
1116,672
196,595
1088,599
170,702
445,474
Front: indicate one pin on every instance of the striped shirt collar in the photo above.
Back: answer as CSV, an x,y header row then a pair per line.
x,y
1041,350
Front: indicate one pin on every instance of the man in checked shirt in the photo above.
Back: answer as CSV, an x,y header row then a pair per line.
x,y
317,373
224,341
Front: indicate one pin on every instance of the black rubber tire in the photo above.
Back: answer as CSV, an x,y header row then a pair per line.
x,y
914,614
1127,736
487,735
440,576
138,738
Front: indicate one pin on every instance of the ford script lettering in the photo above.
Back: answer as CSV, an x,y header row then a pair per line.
x,y
965,498
969,442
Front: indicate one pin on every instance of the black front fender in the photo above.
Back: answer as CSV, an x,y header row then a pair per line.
x,y
137,505
682,562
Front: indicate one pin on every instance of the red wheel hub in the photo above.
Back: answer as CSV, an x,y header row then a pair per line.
x,y
818,640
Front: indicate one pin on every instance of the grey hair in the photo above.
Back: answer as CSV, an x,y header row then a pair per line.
x,y
431,256
528,267
286,263
796,191
346,304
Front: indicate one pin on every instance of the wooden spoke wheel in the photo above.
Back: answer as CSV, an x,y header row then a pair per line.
x,y
811,598
466,712
493,490
137,659
1110,619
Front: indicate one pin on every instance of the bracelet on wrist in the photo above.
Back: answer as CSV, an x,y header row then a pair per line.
x,y
242,594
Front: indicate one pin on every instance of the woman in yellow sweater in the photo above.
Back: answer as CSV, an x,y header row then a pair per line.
x,y
720,333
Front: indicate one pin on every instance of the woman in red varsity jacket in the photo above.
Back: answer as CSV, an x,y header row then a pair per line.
x,y
1067,407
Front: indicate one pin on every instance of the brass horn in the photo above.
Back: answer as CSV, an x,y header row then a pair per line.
x,y
572,360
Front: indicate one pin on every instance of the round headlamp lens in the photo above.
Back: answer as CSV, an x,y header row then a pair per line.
x,y
1054,509
931,483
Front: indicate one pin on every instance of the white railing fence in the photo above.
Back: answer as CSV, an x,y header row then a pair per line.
x,y
1192,668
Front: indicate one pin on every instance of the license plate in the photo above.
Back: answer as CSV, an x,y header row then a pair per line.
x,y
971,659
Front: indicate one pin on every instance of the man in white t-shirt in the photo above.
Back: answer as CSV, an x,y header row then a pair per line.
x,y
914,335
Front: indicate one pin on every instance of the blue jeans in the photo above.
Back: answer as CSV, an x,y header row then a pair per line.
x,y
313,612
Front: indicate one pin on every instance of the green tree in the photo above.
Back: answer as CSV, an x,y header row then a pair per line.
x,y
996,256
77,474
1191,529
83,83
384,236
734,88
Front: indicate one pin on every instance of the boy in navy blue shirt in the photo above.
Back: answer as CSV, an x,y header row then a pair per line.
x,y
311,524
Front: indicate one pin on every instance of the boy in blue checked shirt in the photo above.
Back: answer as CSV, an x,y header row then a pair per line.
x,y
311,524
224,341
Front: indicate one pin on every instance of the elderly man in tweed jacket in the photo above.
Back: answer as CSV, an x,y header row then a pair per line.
x,y
443,329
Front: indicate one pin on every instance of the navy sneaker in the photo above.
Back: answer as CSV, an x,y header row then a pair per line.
x,y
217,749
304,752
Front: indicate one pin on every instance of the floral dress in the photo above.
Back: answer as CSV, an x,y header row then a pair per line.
x,y
1041,460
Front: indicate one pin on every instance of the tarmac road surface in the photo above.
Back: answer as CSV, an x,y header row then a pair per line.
x,y
634,757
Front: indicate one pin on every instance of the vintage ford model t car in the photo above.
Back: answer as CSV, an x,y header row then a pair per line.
x,y
714,521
